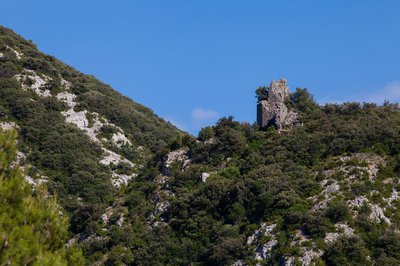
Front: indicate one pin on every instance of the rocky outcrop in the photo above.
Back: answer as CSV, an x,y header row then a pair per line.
x,y
271,108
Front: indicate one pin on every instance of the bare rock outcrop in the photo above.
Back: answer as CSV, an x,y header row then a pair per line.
x,y
271,107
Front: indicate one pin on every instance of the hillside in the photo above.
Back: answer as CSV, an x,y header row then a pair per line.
x,y
76,134
309,185
322,193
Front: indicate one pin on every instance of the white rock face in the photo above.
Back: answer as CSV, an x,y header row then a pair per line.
x,y
333,188
328,193
105,218
238,263
308,253
161,207
372,161
377,214
393,198
65,84
80,119
8,125
305,260
112,157
109,212
17,54
262,251
68,98
204,177
341,229
161,201
358,202
1,55
120,139
35,182
38,82
121,179
180,155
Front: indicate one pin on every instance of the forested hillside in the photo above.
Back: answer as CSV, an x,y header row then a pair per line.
x,y
77,135
33,230
324,191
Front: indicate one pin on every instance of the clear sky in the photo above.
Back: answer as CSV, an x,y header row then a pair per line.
x,y
195,61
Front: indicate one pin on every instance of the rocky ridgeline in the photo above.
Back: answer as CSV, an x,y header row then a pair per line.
x,y
271,107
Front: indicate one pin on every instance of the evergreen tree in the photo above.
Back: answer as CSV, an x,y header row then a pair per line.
x,y
33,229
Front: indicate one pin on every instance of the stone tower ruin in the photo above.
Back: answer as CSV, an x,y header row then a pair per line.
x,y
271,106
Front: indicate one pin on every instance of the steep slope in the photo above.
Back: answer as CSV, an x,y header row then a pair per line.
x,y
77,135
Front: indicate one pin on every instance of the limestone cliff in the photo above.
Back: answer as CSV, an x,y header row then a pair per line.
x,y
271,107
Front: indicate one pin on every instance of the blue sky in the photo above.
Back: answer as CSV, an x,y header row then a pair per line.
x,y
195,61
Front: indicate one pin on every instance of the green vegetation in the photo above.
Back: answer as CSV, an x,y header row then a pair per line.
x,y
32,230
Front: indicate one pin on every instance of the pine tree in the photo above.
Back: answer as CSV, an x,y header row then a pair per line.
x,y
33,229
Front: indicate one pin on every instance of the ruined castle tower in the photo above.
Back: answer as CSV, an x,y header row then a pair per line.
x,y
271,107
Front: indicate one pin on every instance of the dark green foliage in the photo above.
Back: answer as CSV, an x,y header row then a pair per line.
x,y
32,231
337,211
206,133
347,251
262,93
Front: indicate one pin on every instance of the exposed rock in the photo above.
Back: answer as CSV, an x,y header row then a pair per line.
x,y
110,211
161,179
121,179
161,207
8,125
332,188
112,157
309,253
271,108
161,201
209,141
204,177
377,214
18,55
372,164
327,195
180,155
341,229
238,263
393,198
262,251
358,202
65,84
120,139
80,119
31,80
68,98
305,260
